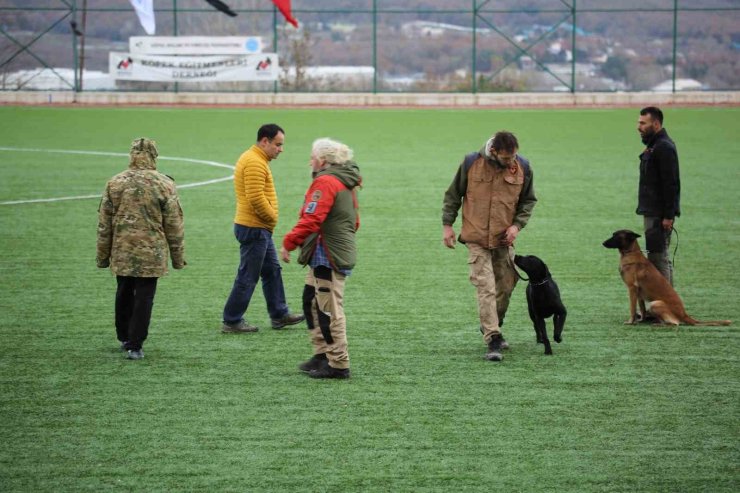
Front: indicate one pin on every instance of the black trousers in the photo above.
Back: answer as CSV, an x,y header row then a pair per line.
x,y
134,303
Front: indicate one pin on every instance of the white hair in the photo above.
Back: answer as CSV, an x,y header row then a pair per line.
x,y
331,151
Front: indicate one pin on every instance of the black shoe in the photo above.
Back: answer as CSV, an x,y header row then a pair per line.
x,y
134,354
329,372
289,319
239,328
316,362
494,348
504,344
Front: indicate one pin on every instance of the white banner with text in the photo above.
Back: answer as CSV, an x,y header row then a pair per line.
x,y
130,66
195,45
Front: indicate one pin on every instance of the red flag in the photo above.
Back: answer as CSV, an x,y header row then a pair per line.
x,y
284,8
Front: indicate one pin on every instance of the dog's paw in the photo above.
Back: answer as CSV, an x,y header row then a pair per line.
x,y
558,338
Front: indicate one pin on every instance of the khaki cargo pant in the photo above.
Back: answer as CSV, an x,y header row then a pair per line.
x,y
327,324
493,275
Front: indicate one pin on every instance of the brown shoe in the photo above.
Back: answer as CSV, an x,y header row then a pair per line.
x,y
289,319
239,328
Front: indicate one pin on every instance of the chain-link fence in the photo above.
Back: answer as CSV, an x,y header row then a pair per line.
x,y
379,46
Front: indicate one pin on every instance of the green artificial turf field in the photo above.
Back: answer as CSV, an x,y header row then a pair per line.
x,y
616,408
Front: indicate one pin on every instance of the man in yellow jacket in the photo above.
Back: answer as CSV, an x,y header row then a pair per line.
x,y
256,218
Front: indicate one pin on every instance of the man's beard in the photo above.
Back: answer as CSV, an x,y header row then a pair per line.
x,y
647,136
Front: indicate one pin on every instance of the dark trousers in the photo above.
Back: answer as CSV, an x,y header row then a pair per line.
x,y
134,303
657,243
257,260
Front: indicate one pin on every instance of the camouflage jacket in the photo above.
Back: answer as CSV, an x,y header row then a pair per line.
x,y
140,221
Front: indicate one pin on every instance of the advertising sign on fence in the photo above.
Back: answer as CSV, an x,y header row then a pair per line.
x,y
195,45
131,66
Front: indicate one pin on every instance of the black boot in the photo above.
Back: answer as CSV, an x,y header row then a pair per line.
x,y
494,348
329,372
504,344
316,362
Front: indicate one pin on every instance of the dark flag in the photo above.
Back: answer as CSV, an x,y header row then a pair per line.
x,y
222,7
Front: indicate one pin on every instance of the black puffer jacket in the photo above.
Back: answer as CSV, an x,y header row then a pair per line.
x,y
659,193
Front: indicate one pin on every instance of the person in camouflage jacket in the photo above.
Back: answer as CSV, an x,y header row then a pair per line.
x,y
140,225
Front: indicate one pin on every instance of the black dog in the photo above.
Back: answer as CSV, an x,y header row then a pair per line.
x,y
543,299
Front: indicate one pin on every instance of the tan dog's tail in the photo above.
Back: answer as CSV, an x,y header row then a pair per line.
x,y
661,310
706,323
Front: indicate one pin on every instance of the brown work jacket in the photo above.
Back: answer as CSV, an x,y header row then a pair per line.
x,y
490,202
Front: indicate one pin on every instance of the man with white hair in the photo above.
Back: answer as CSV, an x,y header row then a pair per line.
x,y
326,234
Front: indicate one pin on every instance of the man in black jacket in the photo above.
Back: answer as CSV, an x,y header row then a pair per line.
x,y
659,194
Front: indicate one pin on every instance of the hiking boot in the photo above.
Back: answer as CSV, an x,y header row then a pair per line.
x,y
316,362
494,348
288,319
134,354
504,344
239,328
327,371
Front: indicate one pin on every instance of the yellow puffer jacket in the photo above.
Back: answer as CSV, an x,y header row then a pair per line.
x,y
256,200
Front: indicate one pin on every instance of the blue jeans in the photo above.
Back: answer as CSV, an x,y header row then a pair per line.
x,y
258,259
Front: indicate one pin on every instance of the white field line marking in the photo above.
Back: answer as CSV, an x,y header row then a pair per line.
x,y
114,154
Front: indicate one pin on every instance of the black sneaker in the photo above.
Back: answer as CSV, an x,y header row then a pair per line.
x,y
316,362
240,328
134,354
289,319
494,348
329,372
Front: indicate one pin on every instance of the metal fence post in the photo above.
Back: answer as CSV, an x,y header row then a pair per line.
x,y
574,50
275,42
74,47
375,46
675,41
473,68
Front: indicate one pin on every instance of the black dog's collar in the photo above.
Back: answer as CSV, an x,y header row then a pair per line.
x,y
547,279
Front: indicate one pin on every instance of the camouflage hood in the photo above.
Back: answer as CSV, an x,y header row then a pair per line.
x,y
143,154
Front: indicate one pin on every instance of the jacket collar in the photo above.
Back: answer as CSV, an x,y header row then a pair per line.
x,y
260,152
661,134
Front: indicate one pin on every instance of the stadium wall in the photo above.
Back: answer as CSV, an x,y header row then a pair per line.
x,y
456,100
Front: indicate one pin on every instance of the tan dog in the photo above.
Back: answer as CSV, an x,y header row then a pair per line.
x,y
645,283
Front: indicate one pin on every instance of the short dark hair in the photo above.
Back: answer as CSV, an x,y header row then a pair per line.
x,y
654,113
505,141
269,130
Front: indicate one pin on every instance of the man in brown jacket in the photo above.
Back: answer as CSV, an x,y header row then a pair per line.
x,y
495,188
140,224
